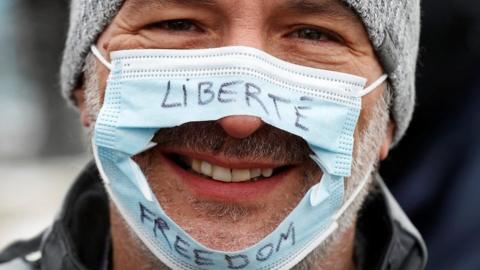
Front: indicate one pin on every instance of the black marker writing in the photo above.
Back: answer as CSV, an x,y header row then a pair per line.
x,y
249,94
285,236
237,261
145,213
201,260
158,223
265,252
280,99
182,250
164,102
222,91
206,89
184,88
299,115
161,225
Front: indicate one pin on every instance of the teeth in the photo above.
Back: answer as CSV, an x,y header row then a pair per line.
x,y
222,174
206,168
196,166
267,172
255,173
239,175
228,175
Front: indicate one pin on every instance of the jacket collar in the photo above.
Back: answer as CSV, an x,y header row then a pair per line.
x,y
80,235
385,238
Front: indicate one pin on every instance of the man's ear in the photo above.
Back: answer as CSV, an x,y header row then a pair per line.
x,y
79,95
387,141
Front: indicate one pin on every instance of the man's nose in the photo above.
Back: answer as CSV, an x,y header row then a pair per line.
x,y
244,34
240,126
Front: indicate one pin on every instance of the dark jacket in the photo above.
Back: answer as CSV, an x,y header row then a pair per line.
x,y
80,236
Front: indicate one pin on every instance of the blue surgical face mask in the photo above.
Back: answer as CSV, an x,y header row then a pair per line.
x,y
148,90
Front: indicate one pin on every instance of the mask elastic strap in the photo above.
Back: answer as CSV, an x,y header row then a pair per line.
x,y
373,86
100,57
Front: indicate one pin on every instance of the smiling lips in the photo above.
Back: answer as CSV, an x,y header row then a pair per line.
x,y
224,179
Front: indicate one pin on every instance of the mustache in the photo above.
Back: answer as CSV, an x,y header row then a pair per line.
x,y
266,143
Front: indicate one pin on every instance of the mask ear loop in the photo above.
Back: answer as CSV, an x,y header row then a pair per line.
x,y
373,86
353,196
100,57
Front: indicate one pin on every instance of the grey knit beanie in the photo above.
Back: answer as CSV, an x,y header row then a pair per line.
x,y
393,27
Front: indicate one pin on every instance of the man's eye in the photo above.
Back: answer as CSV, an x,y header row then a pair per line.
x,y
313,34
176,25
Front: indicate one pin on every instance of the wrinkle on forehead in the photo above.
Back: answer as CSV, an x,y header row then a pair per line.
x,y
160,3
325,7
334,8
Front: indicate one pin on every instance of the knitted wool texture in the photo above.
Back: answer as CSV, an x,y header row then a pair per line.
x,y
393,27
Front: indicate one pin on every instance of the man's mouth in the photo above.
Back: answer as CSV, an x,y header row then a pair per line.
x,y
226,179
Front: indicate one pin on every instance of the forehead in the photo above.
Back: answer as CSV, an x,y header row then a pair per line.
x,y
325,34
331,8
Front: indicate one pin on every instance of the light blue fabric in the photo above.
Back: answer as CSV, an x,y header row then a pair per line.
x,y
152,89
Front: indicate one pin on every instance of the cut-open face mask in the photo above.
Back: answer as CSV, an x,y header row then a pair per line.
x,y
148,90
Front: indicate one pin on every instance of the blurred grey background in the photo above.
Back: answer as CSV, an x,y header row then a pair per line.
x,y
434,173
42,145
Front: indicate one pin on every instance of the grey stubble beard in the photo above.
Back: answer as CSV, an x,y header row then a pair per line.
x,y
365,163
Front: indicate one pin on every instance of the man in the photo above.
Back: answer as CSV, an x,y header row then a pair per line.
x,y
214,178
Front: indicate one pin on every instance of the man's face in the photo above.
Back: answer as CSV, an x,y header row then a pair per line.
x,y
231,182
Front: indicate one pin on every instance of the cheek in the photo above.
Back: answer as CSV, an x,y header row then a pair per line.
x,y
361,124
368,105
